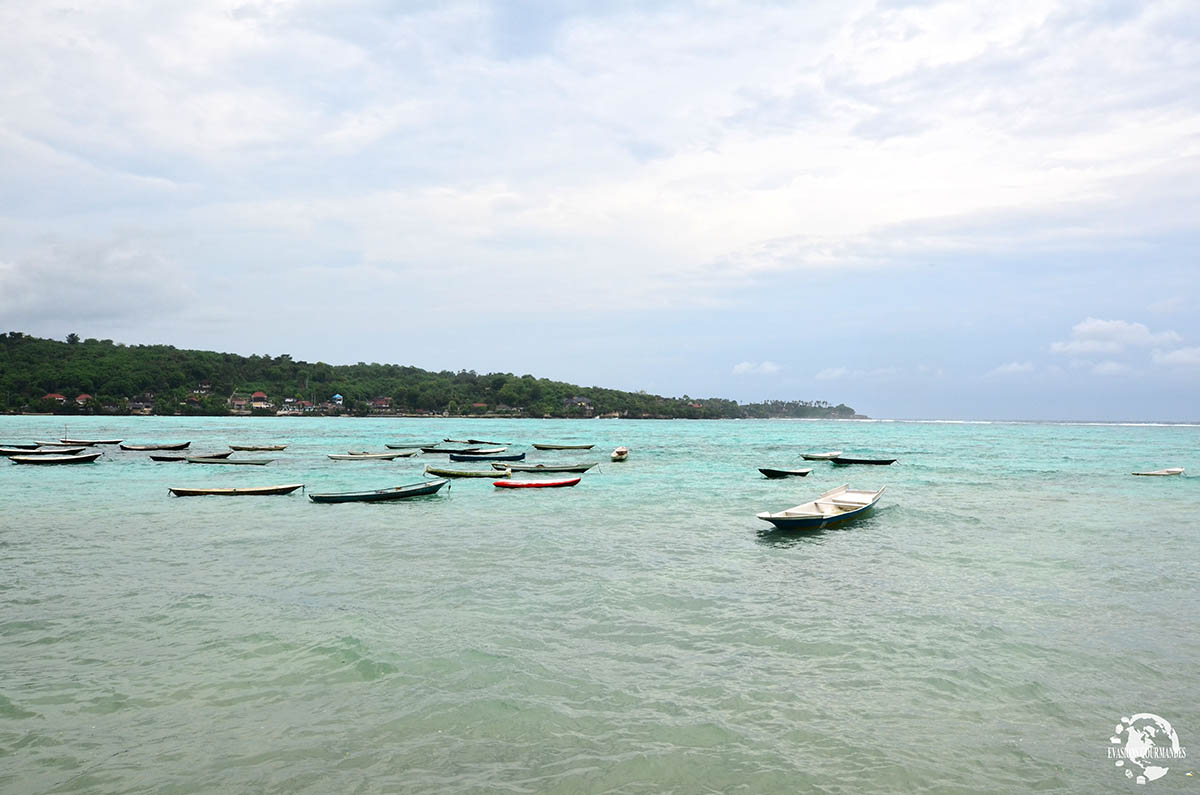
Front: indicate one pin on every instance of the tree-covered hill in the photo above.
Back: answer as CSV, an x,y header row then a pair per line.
x,y
100,376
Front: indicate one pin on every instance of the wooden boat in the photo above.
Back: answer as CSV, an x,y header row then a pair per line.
x,y
563,446
381,495
536,484
89,442
842,460
1162,472
261,448
242,491
408,445
468,473
458,441
145,447
459,450
86,458
487,456
16,446
544,467
9,451
484,441
364,456
833,507
257,462
225,454
775,474
821,456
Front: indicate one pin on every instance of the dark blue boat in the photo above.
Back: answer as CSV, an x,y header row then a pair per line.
x,y
833,507
487,457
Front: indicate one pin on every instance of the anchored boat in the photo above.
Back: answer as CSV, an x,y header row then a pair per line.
x,y
775,474
383,495
536,484
833,507
241,491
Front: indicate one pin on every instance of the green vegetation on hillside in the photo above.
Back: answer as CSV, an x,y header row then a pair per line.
x,y
100,376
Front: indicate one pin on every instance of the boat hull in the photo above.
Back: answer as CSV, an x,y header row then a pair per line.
x,y
817,523
487,457
257,462
90,442
776,474
536,484
260,448
545,467
383,495
147,447
844,461
1161,473
467,473
247,491
87,458
563,446
10,451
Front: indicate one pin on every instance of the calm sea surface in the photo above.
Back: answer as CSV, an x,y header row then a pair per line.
x,y
1016,593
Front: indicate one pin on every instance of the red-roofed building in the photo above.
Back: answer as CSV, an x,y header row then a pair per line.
x,y
259,400
54,396
83,399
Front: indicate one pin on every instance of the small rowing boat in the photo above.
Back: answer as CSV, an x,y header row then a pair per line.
x,y
536,484
487,456
383,495
256,462
364,456
90,442
468,473
258,448
833,507
563,446
545,467
40,451
821,456
620,454
484,441
242,491
842,460
147,447
775,474
457,450
408,445
1162,472
225,454
86,458
15,445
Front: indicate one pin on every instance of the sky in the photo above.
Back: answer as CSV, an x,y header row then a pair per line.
x,y
924,210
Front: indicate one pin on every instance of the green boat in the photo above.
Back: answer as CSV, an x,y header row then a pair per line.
x,y
466,473
383,495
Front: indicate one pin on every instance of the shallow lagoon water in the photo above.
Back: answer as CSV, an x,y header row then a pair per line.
x,y
1015,594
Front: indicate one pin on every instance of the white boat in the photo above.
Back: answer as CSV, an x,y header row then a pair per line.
x,y
364,456
1162,472
620,454
821,456
834,506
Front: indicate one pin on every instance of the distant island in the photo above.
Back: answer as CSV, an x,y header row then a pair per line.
x,y
102,377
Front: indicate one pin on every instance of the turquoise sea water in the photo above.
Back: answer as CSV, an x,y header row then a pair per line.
x,y
1016,593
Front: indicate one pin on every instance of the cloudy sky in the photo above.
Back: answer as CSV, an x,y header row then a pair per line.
x,y
958,209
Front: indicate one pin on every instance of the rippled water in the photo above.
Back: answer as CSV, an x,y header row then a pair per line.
x,y
1015,594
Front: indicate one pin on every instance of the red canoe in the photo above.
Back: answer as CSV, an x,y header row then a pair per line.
x,y
535,484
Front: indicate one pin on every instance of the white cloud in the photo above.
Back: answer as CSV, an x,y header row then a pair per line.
x,y
750,368
1012,368
1168,306
1181,357
1111,368
834,373
1093,336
